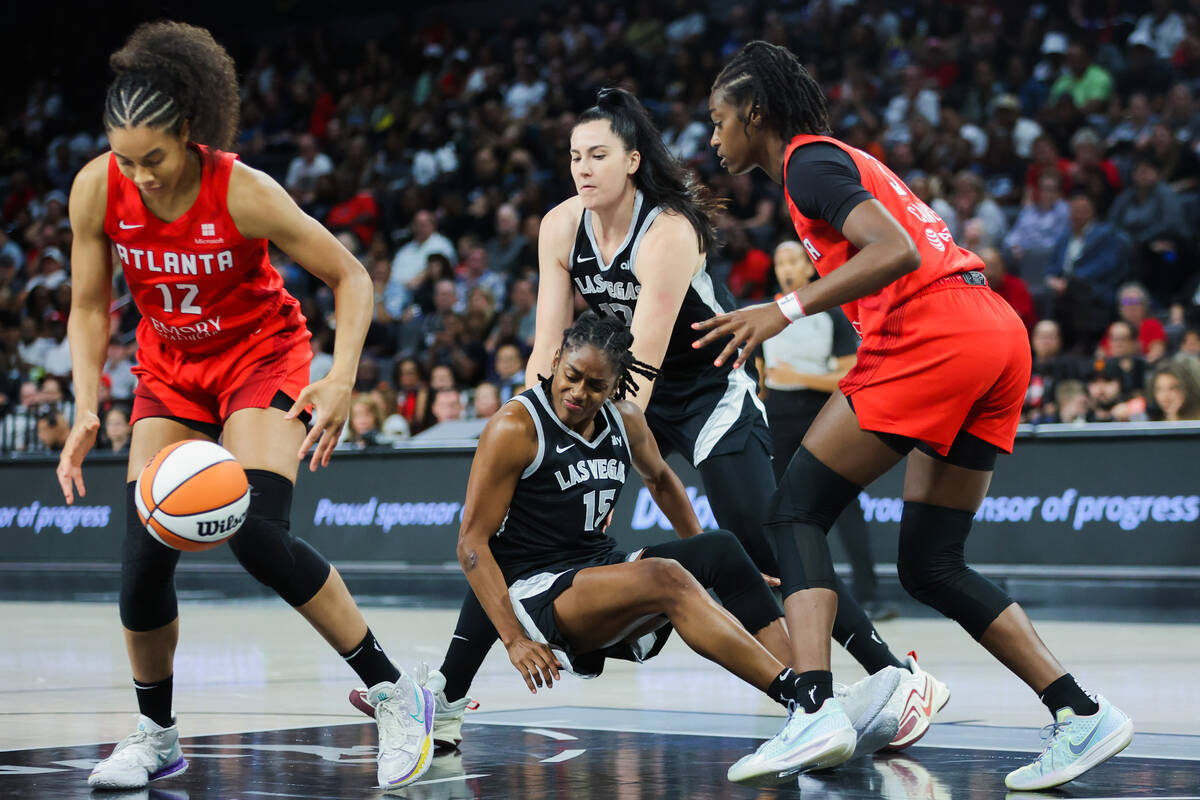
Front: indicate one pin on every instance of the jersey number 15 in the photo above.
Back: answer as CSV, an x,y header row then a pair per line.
x,y
597,504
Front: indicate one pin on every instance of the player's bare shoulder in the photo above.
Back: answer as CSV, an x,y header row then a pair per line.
x,y
89,194
559,227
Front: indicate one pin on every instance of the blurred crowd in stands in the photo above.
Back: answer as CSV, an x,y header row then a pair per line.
x,y
1060,141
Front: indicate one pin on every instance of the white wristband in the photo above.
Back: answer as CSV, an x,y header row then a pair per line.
x,y
790,306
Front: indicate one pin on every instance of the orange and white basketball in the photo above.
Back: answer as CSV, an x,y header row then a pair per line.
x,y
193,495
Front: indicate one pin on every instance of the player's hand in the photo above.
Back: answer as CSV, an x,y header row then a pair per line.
x,y
749,327
330,399
70,462
772,582
535,661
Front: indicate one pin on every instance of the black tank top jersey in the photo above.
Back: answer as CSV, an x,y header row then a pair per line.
x,y
563,497
613,288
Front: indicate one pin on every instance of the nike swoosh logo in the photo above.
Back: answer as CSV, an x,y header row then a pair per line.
x,y
1088,740
129,227
420,718
581,260
563,449
456,636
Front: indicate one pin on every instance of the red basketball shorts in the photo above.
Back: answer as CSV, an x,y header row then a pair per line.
x,y
953,358
207,389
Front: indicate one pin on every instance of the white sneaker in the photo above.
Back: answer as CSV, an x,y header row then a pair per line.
x,y
447,717
404,713
1076,744
149,753
866,704
822,739
918,697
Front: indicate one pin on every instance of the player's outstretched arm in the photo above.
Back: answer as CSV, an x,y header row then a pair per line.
x,y
261,209
885,253
556,293
87,327
507,446
661,481
666,263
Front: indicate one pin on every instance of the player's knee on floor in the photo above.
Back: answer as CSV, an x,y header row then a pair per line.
x,y
933,569
147,601
266,548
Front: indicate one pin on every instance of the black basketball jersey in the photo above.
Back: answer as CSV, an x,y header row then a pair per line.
x,y
613,288
563,497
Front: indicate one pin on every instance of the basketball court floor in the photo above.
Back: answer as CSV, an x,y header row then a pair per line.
x,y
262,708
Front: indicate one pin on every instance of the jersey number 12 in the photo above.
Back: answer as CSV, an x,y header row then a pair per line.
x,y
596,506
186,306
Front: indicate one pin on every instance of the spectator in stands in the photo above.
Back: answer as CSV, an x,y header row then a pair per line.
x,y
1133,304
1163,26
685,137
412,391
1178,165
56,358
1189,344
1135,126
51,270
447,405
1073,403
1144,70
1032,240
411,260
1050,367
117,429
118,366
1091,170
364,427
55,394
1088,84
304,170
1151,214
1089,261
453,348
1008,286
18,427
1108,400
1175,389
356,210
506,248
487,401
394,426
52,430
971,201
751,266
476,271
523,304
1047,159
1125,353
509,368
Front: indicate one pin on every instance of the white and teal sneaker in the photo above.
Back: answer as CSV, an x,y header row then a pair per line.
x,y
149,753
448,715
866,704
1076,745
404,712
808,742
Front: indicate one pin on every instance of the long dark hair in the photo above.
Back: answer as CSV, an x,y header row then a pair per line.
x,y
609,335
172,72
662,179
787,96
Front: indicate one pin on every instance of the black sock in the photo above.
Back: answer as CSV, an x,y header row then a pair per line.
x,y
154,700
783,689
813,688
1066,693
867,647
473,637
371,663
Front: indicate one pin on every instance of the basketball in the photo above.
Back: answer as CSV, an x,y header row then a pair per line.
x,y
193,495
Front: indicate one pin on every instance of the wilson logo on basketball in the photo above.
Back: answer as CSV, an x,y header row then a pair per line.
x,y
218,526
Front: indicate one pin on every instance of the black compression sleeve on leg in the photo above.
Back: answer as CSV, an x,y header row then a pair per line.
x,y
268,550
473,637
718,562
932,567
739,488
809,499
147,599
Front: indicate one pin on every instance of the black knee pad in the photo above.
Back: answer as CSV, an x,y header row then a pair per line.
x,y
933,570
147,574
719,562
266,548
810,498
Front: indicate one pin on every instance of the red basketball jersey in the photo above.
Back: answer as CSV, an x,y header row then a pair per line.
x,y
828,249
199,283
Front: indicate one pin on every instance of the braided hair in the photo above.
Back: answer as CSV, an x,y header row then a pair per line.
x,y
609,335
172,72
769,77
660,176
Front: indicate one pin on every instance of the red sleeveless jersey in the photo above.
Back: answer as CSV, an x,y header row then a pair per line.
x,y
200,284
828,249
